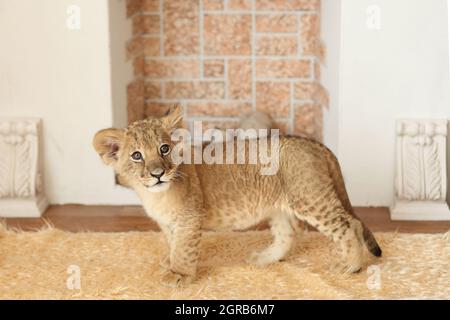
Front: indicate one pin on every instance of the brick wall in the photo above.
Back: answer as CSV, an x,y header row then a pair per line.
x,y
221,58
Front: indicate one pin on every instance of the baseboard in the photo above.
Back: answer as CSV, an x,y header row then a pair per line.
x,y
23,208
420,211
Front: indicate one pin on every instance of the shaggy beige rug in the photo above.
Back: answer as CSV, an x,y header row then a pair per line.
x,y
40,265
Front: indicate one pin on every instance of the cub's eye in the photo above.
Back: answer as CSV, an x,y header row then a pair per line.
x,y
164,149
137,156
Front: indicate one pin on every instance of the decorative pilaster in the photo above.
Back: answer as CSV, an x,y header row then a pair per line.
x,y
21,187
421,177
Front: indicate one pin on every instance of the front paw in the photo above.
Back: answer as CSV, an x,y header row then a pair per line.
x,y
175,280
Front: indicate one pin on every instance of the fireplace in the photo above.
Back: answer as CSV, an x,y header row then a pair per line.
x,y
222,58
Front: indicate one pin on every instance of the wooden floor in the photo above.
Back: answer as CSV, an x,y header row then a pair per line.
x,y
76,218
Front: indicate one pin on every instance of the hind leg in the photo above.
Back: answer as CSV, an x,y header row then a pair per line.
x,y
327,214
347,234
283,234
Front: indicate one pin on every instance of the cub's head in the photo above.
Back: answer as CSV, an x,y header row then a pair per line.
x,y
140,154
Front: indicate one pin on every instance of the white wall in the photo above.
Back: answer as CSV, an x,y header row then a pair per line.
x,y
121,69
330,73
399,71
64,77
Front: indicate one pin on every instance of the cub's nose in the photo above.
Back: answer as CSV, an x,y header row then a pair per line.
x,y
157,173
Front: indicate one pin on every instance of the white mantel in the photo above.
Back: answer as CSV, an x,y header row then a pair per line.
x,y
421,171
21,181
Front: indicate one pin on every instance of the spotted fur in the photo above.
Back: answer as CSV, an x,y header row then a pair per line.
x,y
308,187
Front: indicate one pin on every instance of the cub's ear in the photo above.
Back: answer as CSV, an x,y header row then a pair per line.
x,y
173,118
107,143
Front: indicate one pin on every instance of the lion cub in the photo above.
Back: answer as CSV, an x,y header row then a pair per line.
x,y
186,198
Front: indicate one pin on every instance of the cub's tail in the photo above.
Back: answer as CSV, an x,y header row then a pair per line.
x,y
371,243
336,174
